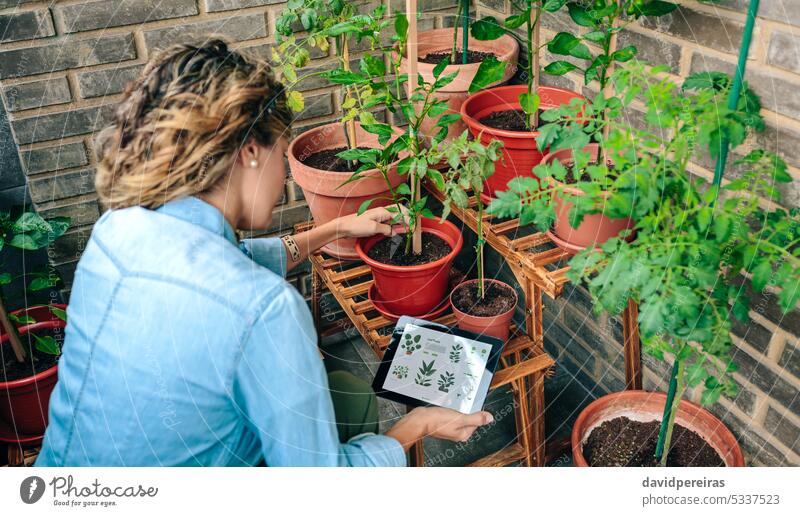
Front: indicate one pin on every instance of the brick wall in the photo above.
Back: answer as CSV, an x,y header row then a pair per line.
x,y
63,65
765,416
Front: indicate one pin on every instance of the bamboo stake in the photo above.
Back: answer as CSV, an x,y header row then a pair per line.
x,y
535,19
411,55
607,89
352,141
11,331
464,31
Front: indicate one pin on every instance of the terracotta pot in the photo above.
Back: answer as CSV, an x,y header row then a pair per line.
x,y
594,229
505,48
494,326
417,289
24,403
327,198
649,406
519,152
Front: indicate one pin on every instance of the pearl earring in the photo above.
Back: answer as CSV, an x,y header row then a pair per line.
x,y
253,163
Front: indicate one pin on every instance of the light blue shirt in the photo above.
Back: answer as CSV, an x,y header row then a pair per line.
x,y
185,348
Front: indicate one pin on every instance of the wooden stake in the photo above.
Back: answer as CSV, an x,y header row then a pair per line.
x,y
11,331
607,89
411,57
535,63
352,140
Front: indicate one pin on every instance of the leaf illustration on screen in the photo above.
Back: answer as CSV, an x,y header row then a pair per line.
x,y
410,345
455,353
446,381
425,373
400,371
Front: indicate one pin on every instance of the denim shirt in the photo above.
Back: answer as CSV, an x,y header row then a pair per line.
x,y
185,348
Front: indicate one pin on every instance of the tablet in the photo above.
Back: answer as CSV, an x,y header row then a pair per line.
x,y
431,364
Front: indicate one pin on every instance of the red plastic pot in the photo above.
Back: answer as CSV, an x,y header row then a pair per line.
x,y
649,406
24,403
327,198
505,48
495,326
594,229
520,152
417,289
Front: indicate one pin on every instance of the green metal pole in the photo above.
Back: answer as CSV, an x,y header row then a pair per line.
x,y
733,101
738,79
464,31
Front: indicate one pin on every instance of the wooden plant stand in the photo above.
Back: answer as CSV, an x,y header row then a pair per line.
x,y
538,266
523,364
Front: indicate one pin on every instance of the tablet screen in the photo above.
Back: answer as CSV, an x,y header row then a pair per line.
x,y
440,369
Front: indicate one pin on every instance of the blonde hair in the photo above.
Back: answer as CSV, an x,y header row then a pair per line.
x,y
182,121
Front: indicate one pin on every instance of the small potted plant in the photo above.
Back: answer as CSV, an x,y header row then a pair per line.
x,y
693,242
29,338
312,155
410,269
480,305
510,113
479,64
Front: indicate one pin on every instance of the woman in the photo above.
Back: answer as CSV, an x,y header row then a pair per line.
x,y
185,346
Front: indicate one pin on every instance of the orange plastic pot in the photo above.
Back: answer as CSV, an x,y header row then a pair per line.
x,y
649,406
505,48
24,403
417,289
327,198
519,152
594,229
494,326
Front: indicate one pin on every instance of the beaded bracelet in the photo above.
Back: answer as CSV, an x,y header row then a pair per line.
x,y
291,245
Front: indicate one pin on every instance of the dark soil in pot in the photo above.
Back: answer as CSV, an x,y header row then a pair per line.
x,y
497,299
328,160
473,56
509,120
623,442
35,363
392,250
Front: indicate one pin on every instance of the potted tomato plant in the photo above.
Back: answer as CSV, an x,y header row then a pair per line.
x,y
29,338
410,269
694,239
480,64
481,305
312,155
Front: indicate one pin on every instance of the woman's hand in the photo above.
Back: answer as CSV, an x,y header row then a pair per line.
x,y
372,222
437,422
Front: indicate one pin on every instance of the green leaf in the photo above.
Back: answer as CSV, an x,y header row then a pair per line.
x,y
489,72
552,6
559,67
517,20
364,206
400,25
30,221
295,101
562,43
40,283
440,66
437,178
23,241
58,312
595,36
654,8
5,278
46,344
487,29
529,102
580,15
624,54
761,275
449,118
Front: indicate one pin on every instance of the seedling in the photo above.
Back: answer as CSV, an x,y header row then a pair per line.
x,y
425,374
446,381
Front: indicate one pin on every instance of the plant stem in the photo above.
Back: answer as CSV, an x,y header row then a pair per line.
x,y
464,31
455,33
676,388
11,331
352,141
479,248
